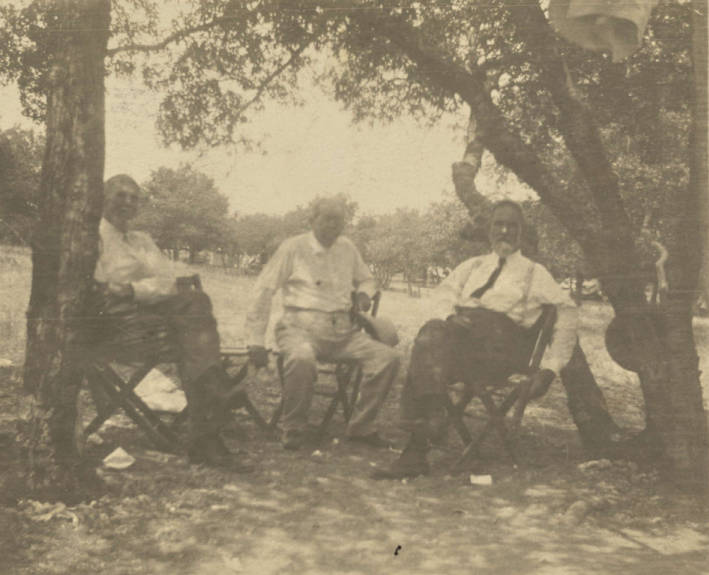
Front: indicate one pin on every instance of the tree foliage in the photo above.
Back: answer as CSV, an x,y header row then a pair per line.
x,y
20,169
184,210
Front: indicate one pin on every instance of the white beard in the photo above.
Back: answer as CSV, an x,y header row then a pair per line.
x,y
503,249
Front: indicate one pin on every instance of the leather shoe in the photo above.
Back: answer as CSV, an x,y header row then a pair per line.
x,y
212,452
292,439
370,440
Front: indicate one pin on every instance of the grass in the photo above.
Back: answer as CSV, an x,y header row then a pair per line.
x,y
315,511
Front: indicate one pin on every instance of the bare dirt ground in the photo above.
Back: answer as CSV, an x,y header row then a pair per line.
x,y
316,511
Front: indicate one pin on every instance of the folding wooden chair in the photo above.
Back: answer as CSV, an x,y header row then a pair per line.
x,y
347,376
111,392
496,412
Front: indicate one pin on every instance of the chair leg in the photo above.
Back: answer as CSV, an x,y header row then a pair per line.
x,y
134,380
524,389
456,416
340,397
354,395
256,416
498,423
473,447
137,410
275,418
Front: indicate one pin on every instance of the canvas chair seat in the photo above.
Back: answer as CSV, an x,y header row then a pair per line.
x,y
140,343
498,397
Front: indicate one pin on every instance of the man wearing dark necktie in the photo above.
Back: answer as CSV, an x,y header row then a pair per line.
x,y
489,303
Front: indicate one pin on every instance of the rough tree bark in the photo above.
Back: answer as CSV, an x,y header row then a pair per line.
x,y
65,245
701,137
660,338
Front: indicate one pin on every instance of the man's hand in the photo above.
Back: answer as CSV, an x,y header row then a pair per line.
x,y
540,383
364,302
258,355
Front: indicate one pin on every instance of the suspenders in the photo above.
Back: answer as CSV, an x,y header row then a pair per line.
x,y
528,286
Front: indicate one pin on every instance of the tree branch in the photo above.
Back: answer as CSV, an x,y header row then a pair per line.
x,y
581,136
272,76
174,37
493,130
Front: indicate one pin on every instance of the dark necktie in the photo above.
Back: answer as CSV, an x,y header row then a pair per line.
x,y
478,293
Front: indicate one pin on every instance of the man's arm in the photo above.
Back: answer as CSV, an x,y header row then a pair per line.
x,y
149,278
270,280
164,272
546,291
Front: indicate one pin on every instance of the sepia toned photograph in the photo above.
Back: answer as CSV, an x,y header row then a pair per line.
x,y
354,287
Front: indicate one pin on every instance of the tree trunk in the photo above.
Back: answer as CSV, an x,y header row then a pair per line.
x,y
599,433
668,372
700,149
65,246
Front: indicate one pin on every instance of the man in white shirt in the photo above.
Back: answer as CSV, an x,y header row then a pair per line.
x,y
317,272
489,303
140,299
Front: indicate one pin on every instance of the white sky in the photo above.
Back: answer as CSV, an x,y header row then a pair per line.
x,y
306,151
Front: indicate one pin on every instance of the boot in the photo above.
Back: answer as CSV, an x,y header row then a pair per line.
x,y
412,461
436,417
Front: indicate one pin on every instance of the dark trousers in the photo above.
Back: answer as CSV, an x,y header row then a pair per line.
x,y
179,328
472,346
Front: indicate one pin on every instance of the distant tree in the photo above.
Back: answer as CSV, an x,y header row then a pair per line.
x,y
20,170
184,210
410,242
261,234
258,234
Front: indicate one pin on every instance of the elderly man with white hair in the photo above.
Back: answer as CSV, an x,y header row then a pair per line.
x,y
317,272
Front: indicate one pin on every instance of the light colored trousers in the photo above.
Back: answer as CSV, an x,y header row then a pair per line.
x,y
307,336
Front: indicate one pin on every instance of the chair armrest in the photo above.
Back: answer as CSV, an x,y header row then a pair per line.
x,y
548,319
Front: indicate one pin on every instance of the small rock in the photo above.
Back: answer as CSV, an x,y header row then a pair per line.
x,y
480,479
594,465
316,453
4,362
575,513
118,459
94,439
335,441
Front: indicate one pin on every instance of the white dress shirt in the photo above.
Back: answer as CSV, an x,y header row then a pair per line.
x,y
520,290
311,276
135,258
